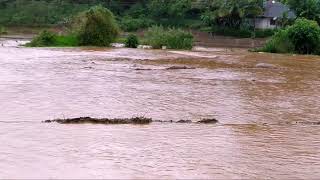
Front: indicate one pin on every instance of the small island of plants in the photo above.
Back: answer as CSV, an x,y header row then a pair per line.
x,y
98,27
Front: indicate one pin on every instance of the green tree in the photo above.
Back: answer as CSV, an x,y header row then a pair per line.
x,y
169,8
309,9
305,36
231,13
97,27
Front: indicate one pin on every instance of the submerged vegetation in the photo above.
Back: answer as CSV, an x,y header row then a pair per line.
x,y
132,41
171,38
95,27
303,37
50,39
83,120
134,120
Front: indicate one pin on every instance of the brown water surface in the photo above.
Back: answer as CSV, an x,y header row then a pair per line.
x,y
257,107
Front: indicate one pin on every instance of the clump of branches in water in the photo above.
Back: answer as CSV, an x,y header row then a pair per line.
x,y
134,120
82,120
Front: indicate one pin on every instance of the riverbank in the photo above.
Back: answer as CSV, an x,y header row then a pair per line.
x,y
200,38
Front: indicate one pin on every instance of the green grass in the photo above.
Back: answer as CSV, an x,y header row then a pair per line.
x,y
3,30
50,39
67,41
120,40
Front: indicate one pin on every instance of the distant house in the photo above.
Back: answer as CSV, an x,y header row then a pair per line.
x,y
273,12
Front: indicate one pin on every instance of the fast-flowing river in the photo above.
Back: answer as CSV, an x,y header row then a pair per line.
x,y
263,110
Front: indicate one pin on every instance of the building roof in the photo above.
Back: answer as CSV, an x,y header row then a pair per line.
x,y
274,9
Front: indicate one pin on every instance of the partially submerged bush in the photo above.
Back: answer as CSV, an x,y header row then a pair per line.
x,y
132,41
47,39
279,43
303,37
179,39
156,37
97,27
172,38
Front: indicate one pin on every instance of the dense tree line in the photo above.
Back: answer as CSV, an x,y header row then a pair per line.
x,y
226,13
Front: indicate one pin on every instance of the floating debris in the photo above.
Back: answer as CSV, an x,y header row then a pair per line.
x,y
143,69
82,120
265,65
144,47
184,121
179,67
117,45
306,123
208,121
135,120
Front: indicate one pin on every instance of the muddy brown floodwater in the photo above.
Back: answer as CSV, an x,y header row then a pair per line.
x,y
257,106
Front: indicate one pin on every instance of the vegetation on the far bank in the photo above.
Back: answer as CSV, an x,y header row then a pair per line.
x,y
163,20
303,37
98,27
229,17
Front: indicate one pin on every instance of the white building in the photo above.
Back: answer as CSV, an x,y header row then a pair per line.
x,y
273,12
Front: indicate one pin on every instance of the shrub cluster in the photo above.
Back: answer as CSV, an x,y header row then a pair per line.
x,y
95,27
132,41
47,39
303,37
158,36
279,43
